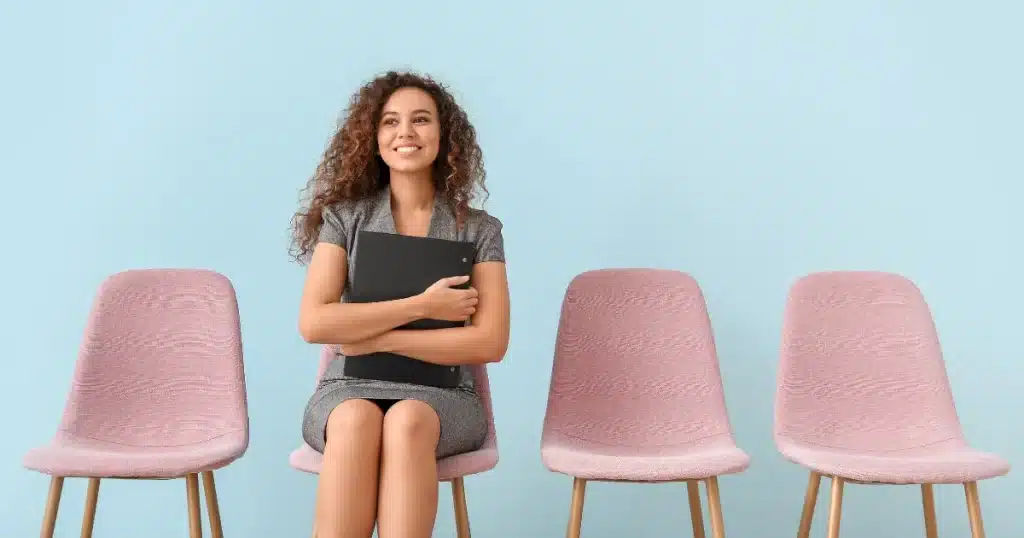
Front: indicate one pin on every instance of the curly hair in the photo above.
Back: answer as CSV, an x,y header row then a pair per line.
x,y
351,167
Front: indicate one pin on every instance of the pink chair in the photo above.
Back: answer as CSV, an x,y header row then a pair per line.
x,y
636,394
863,395
158,392
452,469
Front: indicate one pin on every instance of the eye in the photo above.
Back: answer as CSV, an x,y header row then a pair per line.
x,y
390,121
422,119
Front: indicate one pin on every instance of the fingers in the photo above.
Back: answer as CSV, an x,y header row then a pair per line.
x,y
468,294
468,308
462,302
455,280
461,315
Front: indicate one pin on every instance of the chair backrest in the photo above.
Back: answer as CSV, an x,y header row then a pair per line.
x,y
635,362
861,367
160,362
480,382
327,354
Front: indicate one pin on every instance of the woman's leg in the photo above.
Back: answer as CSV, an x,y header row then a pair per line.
x,y
346,497
408,484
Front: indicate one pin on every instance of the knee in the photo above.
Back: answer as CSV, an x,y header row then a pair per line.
x,y
354,419
411,423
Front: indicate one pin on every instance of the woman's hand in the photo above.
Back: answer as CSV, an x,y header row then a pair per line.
x,y
362,347
443,302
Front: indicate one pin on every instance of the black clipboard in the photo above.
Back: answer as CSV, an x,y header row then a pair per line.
x,y
389,267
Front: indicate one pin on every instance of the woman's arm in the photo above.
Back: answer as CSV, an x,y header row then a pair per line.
x,y
323,319
484,340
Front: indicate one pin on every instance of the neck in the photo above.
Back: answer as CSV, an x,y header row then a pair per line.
x,y
411,192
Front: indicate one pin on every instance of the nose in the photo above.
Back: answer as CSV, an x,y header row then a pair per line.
x,y
405,129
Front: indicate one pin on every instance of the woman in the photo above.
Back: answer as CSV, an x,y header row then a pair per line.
x,y
406,161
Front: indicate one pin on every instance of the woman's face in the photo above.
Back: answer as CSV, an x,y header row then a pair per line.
x,y
409,134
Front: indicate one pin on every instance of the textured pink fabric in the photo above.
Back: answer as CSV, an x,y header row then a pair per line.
x,y
485,458
159,387
862,386
636,393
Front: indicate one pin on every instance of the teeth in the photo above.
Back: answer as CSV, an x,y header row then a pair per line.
x,y
407,149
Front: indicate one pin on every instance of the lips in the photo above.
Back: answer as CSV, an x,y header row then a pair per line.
x,y
407,149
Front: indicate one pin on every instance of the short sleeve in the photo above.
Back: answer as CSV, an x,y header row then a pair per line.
x,y
333,229
490,244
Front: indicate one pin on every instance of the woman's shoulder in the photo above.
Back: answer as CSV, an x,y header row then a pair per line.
x,y
484,230
352,210
343,219
479,222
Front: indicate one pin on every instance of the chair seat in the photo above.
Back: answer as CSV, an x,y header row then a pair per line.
x,y
67,456
948,463
308,460
701,459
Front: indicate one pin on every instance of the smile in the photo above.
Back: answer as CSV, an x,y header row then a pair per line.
x,y
407,149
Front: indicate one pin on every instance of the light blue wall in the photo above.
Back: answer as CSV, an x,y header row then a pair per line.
x,y
745,142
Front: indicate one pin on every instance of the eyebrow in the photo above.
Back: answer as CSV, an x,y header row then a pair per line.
x,y
417,111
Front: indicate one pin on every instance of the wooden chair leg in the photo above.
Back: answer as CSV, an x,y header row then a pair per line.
x,y
835,511
810,502
91,499
715,508
52,503
195,520
696,513
212,508
931,526
461,510
974,510
579,490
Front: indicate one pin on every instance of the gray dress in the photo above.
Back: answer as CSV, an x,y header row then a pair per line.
x,y
463,418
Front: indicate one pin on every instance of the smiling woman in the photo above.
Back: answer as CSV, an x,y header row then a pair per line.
x,y
353,167
410,145
381,439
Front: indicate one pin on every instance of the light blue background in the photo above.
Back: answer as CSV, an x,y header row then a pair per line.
x,y
745,142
